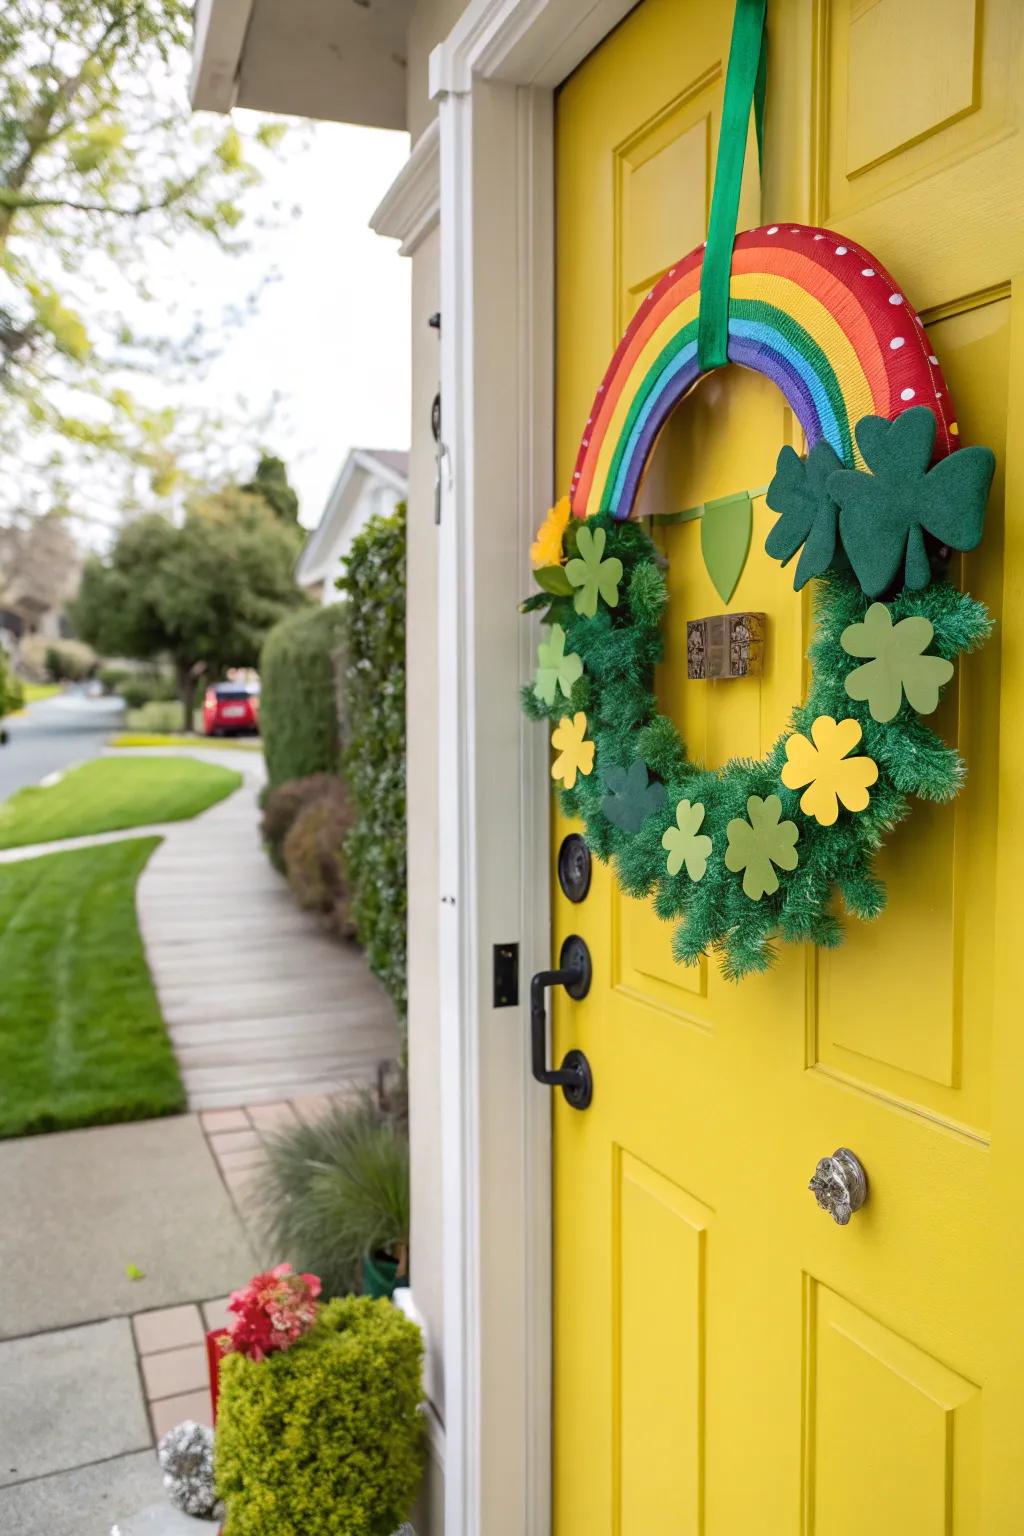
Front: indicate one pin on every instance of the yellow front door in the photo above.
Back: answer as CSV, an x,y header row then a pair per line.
x,y
727,1360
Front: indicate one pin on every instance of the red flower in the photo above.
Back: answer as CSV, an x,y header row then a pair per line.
x,y
272,1311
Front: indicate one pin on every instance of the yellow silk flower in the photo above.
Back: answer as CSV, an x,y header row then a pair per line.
x,y
831,775
575,754
547,547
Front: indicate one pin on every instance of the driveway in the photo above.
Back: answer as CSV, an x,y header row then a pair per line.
x,y
53,734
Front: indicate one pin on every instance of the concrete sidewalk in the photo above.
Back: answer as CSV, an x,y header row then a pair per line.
x,y
269,1018
94,1366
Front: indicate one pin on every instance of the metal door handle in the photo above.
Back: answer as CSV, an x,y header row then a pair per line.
x,y
573,1076
840,1185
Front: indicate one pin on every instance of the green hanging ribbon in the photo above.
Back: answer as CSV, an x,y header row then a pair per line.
x,y
744,83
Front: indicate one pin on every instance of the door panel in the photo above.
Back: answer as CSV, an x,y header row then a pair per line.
x,y
727,1361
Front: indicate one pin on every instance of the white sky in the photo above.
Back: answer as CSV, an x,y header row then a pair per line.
x,y
331,334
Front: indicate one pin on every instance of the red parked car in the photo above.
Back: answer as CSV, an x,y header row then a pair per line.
x,y
231,709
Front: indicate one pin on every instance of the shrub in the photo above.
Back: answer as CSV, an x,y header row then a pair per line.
x,y
283,803
11,692
314,859
138,689
69,659
298,704
157,717
112,678
324,1438
374,758
338,1189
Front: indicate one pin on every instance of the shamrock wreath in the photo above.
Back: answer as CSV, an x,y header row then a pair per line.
x,y
757,850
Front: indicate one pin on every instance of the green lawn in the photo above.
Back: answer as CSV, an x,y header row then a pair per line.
x,y
35,691
81,1037
109,794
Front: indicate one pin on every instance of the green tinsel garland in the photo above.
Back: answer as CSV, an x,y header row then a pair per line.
x,y
620,648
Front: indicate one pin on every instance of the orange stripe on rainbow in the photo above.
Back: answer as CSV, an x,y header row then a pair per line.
x,y
808,309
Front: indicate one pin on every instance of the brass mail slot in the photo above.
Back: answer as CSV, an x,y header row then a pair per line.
x,y
727,645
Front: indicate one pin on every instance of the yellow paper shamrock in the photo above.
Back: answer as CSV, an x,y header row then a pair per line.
x,y
830,774
546,549
574,754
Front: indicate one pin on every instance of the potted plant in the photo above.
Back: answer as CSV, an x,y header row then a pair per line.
x,y
336,1197
318,1428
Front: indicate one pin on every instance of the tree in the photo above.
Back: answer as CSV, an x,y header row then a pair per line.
x,y
39,563
204,594
101,166
271,482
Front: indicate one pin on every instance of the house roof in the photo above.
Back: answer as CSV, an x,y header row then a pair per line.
x,y
389,466
331,59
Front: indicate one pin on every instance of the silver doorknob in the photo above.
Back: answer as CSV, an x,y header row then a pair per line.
x,y
840,1185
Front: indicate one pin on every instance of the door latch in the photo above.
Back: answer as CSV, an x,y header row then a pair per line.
x,y
574,974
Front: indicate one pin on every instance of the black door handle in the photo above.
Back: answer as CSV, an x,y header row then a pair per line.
x,y
573,1076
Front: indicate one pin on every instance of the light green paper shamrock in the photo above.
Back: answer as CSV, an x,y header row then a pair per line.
x,y
592,574
684,845
899,665
760,843
555,669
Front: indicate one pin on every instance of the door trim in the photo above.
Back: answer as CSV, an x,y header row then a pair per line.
x,y
494,80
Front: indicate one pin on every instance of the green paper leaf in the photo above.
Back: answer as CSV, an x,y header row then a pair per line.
x,y
556,669
685,844
899,665
760,843
725,540
592,574
808,514
631,799
133,1272
885,515
552,578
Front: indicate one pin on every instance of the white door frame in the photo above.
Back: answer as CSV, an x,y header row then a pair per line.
x,y
494,79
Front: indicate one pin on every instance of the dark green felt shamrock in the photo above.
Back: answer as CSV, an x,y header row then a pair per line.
x,y
884,515
808,514
631,799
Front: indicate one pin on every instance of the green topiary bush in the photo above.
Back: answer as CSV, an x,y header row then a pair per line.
x,y
324,1439
374,758
298,705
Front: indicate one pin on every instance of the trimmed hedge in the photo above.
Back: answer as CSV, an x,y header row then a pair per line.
x,y
325,1438
298,703
374,756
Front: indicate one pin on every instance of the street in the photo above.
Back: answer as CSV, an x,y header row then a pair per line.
x,y
53,734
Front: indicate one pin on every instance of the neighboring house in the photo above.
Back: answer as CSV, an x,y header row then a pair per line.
x,y
40,569
638,1321
372,481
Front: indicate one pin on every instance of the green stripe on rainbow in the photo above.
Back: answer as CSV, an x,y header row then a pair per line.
x,y
808,309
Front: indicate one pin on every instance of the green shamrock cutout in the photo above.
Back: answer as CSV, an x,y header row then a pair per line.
x,y
760,843
592,574
631,799
555,669
808,515
898,666
884,516
685,844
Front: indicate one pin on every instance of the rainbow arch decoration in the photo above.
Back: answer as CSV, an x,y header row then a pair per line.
x,y
809,309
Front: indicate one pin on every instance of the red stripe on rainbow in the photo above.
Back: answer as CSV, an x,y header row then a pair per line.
x,y
829,324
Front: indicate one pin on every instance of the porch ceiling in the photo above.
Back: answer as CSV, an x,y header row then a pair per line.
x,y
341,60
